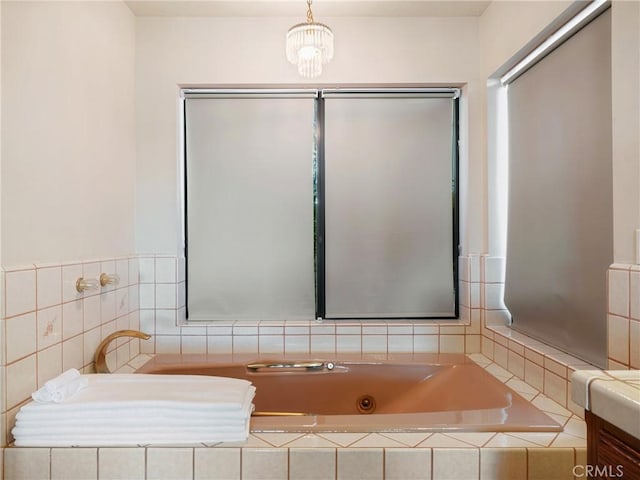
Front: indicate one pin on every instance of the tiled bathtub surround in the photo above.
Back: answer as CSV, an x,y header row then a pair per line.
x,y
435,456
482,327
623,321
49,327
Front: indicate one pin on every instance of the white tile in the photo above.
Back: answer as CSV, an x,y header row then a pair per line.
x,y
494,296
107,306
166,295
634,294
407,464
134,298
194,344
122,301
74,463
618,339
376,440
501,355
472,344
374,343
245,344
343,439
475,297
296,343
70,275
122,270
20,336
72,353
425,343
359,463
440,440
516,364
555,387
264,463
91,340
398,343
49,364
494,269
21,380
169,463
464,269
72,319
634,344
27,463
134,271
147,296
271,344
91,312
534,374
216,463
221,344
121,463
474,268
165,322
147,269
49,286
182,269
148,321
20,292
451,343
49,326
311,440
503,463
312,464
166,270
323,343
348,343
619,292
455,463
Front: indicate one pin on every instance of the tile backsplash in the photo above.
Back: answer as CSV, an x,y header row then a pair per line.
x,y
49,327
623,319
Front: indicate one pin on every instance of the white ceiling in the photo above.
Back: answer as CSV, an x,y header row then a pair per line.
x,y
321,8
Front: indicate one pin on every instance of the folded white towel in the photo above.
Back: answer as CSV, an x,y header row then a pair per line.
x,y
61,388
127,391
137,409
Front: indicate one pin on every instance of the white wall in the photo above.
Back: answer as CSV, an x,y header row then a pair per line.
x,y
68,133
625,84
210,51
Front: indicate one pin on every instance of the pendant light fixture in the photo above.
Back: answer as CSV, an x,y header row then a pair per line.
x,y
309,45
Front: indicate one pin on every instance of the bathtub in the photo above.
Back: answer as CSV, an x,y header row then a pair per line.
x,y
368,393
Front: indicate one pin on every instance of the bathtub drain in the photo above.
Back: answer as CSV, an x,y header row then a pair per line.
x,y
366,404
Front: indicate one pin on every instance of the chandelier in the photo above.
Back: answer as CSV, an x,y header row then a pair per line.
x,y
309,45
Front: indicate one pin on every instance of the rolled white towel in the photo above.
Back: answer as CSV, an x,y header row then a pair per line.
x,y
60,388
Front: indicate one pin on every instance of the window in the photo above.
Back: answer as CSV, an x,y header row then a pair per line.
x,y
335,204
560,226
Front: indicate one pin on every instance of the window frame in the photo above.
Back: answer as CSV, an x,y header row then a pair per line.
x,y
319,180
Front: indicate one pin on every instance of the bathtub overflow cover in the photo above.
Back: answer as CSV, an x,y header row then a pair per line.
x,y
366,404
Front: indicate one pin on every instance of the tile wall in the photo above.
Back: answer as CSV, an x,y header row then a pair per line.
x,y
48,327
162,313
482,332
343,456
623,322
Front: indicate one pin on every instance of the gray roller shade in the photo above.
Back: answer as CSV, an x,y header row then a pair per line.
x,y
560,220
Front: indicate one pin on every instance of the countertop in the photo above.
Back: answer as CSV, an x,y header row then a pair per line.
x,y
613,395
